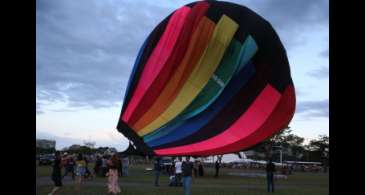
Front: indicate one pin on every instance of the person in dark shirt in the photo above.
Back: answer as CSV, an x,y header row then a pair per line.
x,y
195,169
104,166
200,169
56,173
97,168
217,166
172,168
187,169
69,168
88,174
270,169
157,167
120,166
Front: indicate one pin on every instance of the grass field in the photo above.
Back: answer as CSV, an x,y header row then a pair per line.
x,y
140,181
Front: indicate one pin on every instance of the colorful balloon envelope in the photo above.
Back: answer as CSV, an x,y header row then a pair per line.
x,y
211,78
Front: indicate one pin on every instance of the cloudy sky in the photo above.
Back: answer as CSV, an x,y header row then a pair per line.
x,y
86,49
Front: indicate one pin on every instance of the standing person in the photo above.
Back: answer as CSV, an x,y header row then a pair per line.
x,y
195,169
104,166
178,171
97,167
88,174
113,186
290,169
80,170
157,168
120,166
125,164
187,169
217,166
69,167
56,173
65,160
200,169
172,168
270,169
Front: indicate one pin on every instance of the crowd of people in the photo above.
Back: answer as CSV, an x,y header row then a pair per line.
x,y
110,166
181,172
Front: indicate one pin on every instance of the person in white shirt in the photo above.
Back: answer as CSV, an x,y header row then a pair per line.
x,y
178,171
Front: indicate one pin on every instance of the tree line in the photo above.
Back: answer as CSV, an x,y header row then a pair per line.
x,y
293,148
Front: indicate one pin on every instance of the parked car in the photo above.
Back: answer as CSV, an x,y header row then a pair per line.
x,y
166,162
166,165
46,159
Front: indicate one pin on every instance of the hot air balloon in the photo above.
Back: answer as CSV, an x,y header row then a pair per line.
x,y
212,78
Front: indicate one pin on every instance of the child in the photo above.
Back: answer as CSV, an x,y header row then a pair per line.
x,y
79,171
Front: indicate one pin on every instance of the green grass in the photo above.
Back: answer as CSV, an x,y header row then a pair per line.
x,y
43,171
69,190
140,182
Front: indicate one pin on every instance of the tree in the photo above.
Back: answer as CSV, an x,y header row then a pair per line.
x,y
281,136
40,151
290,145
89,144
277,139
319,149
75,149
65,149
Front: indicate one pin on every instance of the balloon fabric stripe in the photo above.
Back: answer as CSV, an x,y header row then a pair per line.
x,y
222,35
158,58
197,12
197,45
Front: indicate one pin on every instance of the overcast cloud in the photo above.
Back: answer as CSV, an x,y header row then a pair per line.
x,y
85,51
86,48
313,108
320,73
